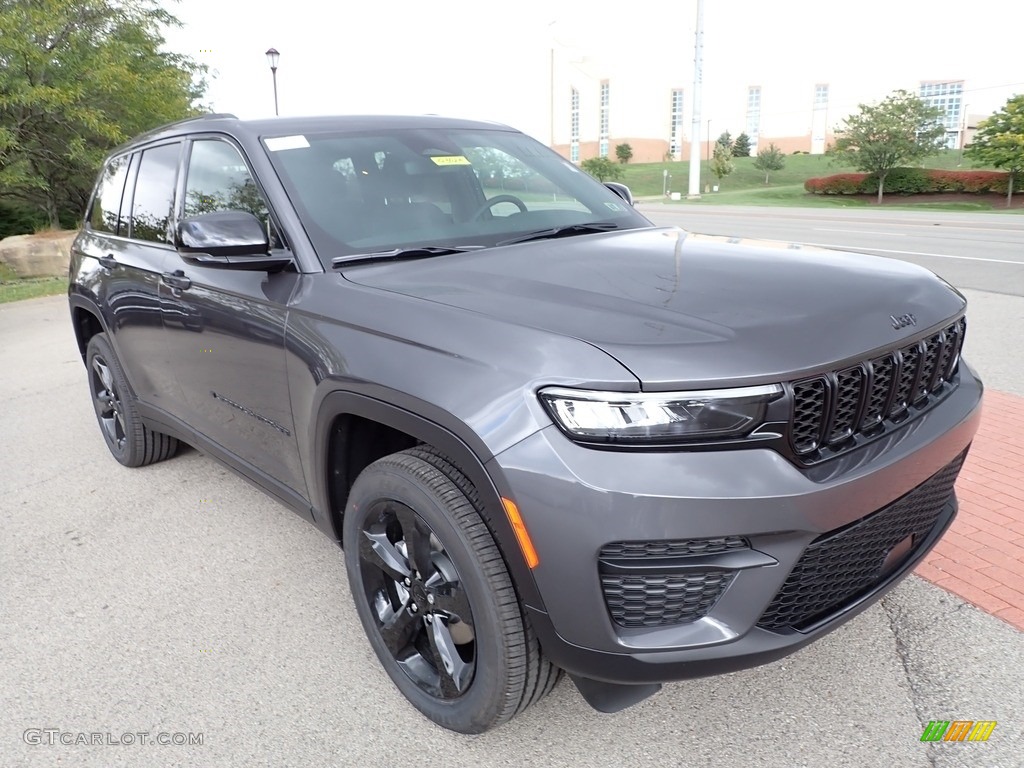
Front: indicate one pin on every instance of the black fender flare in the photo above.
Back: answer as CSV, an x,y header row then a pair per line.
x,y
469,454
85,302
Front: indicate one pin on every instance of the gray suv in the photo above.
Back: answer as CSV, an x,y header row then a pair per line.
x,y
549,435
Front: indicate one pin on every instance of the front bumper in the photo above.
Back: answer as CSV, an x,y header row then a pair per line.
x,y
575,501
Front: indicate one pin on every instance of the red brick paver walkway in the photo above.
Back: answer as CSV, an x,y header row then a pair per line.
x,y
981,557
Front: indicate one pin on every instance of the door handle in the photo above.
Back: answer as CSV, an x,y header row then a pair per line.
x,y
176,279
108,261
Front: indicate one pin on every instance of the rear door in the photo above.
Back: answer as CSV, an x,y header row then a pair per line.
x,y
224,328
128,236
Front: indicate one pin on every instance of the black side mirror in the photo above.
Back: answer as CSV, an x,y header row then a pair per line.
x,y
621,190
227,239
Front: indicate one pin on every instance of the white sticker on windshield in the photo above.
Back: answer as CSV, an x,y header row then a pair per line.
x,y
278,143
614,206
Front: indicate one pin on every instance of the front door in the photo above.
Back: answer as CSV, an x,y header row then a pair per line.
x,y
224,328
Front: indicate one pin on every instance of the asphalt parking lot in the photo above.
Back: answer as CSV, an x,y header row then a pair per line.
x,y
177,599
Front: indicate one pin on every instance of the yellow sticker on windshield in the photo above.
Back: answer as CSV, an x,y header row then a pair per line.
x,y
450,160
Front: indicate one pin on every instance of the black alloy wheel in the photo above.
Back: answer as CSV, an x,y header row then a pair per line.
x,y
130,441
435,597
417,595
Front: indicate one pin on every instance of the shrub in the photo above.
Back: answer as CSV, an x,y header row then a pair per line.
x,y
911,181
902,181
18,219
837,184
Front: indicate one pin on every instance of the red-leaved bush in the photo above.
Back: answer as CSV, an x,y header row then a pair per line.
x,y
910,181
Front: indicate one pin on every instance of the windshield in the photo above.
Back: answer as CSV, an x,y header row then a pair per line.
x,y
365,192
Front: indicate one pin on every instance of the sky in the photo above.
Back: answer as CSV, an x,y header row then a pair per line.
x,y
491,59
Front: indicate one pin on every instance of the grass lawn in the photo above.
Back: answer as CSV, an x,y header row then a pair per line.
x,y
14,288
745,185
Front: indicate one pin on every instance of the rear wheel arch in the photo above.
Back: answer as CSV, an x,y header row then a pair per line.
x,y
87,322
397,429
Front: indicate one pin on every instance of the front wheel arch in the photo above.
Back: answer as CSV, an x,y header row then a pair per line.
x,y
469,460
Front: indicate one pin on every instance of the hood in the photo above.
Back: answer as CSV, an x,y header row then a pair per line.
x,y
679,309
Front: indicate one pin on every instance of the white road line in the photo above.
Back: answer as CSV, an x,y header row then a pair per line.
x,y
913,253
860,232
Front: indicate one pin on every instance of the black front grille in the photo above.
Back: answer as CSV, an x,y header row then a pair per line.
x,y
672,547
843,565
654,600
831,408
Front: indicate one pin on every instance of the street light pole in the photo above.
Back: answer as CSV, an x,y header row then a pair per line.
x,y
272,57
698,58
963,132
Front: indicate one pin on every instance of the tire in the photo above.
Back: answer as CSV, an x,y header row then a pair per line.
x,y
130,441
416,507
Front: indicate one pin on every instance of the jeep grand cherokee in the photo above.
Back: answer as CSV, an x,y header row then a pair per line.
x,y
548,434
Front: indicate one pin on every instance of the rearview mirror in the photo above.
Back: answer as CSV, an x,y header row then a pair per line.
x,y
227,239
621,190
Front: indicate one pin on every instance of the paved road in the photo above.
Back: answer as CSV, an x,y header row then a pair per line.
x,y
177,598
971,250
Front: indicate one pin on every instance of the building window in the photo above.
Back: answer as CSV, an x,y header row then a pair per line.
x,y
603,133
574,126
948,98
753,116
821,95
675,140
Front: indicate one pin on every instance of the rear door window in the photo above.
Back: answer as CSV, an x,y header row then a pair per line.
x,y
105,215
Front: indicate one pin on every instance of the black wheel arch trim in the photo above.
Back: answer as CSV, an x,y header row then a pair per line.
x,y
472,459
85,302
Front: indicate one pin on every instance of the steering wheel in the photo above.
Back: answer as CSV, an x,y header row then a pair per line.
x,y
499,199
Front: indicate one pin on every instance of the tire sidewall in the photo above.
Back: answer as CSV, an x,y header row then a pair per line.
x,y
100,346
475,710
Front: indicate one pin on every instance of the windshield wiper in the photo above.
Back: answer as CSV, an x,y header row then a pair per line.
x,y
417,252
567,231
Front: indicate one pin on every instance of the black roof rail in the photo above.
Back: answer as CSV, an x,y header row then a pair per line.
x,y
206,116
176,123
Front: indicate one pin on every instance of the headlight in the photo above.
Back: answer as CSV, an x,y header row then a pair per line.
x,y
658,417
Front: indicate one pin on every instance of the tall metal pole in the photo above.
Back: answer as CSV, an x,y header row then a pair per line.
x,y
552,95
273,56
698,57
273,71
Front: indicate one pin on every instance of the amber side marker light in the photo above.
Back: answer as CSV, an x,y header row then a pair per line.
x,y
522,535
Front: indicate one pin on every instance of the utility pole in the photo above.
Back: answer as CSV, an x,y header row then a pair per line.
x,y
698,57
551,91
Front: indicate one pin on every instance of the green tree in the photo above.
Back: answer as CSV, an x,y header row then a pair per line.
x,y
901,129
721,161
741,147
725,140
78,77
601,168
1000,142
624,152
769,159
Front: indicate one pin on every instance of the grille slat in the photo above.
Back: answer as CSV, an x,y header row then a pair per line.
x,y
882,370
929,364
906,376
808,414
911,356
843,565
849,393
